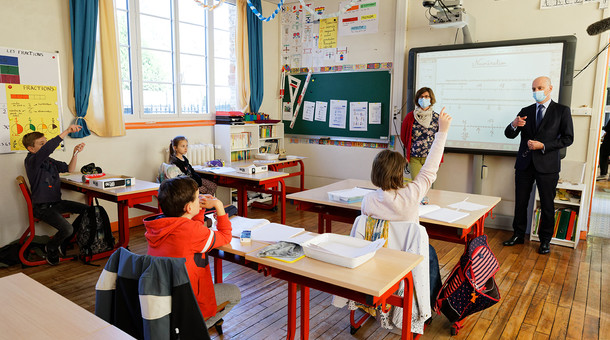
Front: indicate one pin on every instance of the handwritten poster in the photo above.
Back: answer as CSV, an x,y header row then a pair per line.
x,y
358,116
362,18
31,108
338,114
321,108
308,110
29,96
328,33
374,113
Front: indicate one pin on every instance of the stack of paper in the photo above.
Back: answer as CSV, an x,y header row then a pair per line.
x,y
341,250
240,224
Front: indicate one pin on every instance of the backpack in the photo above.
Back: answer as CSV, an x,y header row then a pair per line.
x,y
94,232
471,286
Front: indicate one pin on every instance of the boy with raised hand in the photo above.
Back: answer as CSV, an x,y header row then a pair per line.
x,y
180,231
43,175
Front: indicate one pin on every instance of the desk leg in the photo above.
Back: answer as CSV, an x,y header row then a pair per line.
x,y
329,225
217,270
407,308
242,201
320,223
292,310
304,312
123,210
283,194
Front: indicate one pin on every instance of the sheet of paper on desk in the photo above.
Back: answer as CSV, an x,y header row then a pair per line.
x,y
238,224
218,170
274,232
426,208
345,250
445,215
468,206
78,178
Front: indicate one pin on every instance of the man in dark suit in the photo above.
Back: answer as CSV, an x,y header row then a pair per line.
x,y
545,127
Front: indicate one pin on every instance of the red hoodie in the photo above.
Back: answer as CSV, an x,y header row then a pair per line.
x,y
191,239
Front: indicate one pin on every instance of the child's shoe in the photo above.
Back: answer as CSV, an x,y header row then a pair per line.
x,y
52,256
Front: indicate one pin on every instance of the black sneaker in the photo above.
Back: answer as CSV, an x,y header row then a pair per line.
x,y
52,256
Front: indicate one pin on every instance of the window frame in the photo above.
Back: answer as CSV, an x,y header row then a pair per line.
x,y
136,71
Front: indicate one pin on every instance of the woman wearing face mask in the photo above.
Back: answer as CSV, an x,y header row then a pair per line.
x,y
418,129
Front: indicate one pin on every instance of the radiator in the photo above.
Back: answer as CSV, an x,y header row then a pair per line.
x,y
197,154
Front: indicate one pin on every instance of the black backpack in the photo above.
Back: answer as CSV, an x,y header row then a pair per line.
x,y
94,232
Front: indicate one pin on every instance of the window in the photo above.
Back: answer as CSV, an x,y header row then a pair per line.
x,y
177,58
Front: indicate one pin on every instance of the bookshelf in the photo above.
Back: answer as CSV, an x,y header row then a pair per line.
x,y
243,142
571,182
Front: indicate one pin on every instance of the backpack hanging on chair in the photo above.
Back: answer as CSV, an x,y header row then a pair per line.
x,y
471,287
94,232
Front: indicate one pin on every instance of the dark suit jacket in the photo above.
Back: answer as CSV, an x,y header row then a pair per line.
x,y
555,132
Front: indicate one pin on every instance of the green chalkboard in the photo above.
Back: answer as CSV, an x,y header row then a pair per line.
x,y
364,86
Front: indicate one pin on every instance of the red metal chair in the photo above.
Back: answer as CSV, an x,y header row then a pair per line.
x,y
30,232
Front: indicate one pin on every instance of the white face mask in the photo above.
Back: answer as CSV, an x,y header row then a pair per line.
x,y
539,96
423,102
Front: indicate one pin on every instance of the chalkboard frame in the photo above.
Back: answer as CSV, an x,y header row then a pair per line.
x,y
372,86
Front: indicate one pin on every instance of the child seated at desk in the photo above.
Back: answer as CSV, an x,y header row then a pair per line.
x,y
181,232
177,156
396,201
43,175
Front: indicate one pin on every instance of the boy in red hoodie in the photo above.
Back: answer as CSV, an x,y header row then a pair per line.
x,y
181,232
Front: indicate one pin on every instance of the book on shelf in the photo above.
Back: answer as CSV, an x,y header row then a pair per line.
x,y
565,222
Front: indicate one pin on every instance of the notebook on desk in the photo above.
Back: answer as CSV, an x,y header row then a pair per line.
x,y
263,230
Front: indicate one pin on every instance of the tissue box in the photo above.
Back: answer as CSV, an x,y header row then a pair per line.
x,y
252,169
108,183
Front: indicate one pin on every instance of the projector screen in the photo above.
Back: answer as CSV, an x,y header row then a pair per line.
x,y
483,86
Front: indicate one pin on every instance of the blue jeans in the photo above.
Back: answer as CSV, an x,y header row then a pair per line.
x,y
435,276
51,213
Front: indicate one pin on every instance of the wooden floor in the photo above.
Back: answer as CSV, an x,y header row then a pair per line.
x,y
562,295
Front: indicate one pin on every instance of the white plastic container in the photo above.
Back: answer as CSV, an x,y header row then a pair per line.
x,y
348,195
322,255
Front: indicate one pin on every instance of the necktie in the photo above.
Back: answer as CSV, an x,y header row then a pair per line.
x,y
539,116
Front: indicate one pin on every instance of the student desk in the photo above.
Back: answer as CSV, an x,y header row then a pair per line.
x,y
266,182
125,198
372,283
277,165
33,311
316,200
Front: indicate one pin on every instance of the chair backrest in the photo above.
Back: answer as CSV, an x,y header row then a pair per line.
x,y
400,235
167,171
149,297
25,190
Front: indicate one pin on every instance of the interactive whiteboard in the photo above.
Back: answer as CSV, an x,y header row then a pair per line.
x,y
484,86
29,96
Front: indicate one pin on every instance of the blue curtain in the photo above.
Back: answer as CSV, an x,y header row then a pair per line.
x,y
255,49
83,26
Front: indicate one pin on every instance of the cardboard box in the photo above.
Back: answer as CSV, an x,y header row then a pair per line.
x,y
108,183
129,181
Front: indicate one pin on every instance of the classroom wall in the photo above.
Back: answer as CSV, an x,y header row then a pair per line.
x,y
45,26
326,164
495,20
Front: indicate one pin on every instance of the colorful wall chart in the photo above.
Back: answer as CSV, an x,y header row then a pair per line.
x,y
29,96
